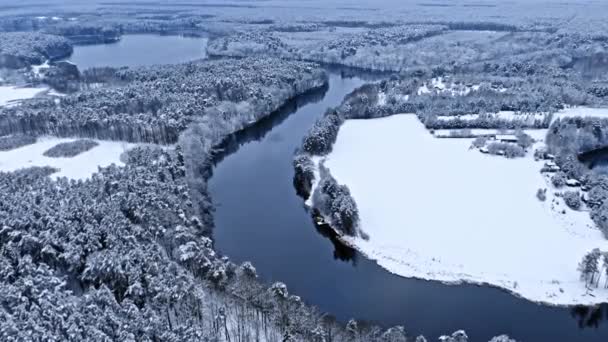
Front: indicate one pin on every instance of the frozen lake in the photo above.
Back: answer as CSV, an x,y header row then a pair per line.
x,y
140,50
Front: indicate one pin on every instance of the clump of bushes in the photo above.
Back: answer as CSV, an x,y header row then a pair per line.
x,y
11,142
559,179
479,142
336,204
573,199
70,149
507,149
304,174
524,140
541,194
323,134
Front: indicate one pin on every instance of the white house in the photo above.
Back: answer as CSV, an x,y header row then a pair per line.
x,y
506,138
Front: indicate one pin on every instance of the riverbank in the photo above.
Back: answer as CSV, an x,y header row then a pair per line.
x,y
436,210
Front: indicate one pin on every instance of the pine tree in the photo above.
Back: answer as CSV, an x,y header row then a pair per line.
x,y
605,260
589,266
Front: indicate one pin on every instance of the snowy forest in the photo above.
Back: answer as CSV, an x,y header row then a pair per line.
x,y
128,254
156,104
21,49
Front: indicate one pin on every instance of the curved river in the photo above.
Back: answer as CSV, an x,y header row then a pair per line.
x,y
260,218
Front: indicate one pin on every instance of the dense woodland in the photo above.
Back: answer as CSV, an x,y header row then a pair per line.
x,y
155,104
128,254
91,28
366,50
567,139
21,49
406,48
123,257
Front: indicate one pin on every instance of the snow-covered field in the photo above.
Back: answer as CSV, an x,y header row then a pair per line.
x,y
81,166
438,85
435,209
10,95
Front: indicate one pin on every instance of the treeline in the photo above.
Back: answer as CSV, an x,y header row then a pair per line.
x,y
13,141
352,50
296,27
155,104
22,49
465,100
87,29
482,26
335,203
85,33
567,138
189,25
404,48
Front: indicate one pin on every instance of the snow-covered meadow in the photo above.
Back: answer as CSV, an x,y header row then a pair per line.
x,y
438,85
10,95
436,209
81,166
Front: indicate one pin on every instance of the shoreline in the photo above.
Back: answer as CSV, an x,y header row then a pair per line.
x,y
556,285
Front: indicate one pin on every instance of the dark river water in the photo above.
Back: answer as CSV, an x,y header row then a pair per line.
x,y
260,218
140,50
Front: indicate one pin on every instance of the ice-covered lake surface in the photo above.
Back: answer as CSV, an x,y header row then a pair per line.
x,y
81,166
436,209
10,95
140,50
269,225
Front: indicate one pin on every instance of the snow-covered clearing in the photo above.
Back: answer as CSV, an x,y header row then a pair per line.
x,y
81,166
38,70
438,85
10,95
435,209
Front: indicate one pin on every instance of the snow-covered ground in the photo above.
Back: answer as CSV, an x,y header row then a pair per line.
x,y
39,70
10,95
81,166
435,209
438,85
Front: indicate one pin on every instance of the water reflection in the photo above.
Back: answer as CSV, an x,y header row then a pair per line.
x,y
263,127
341,251
590,316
